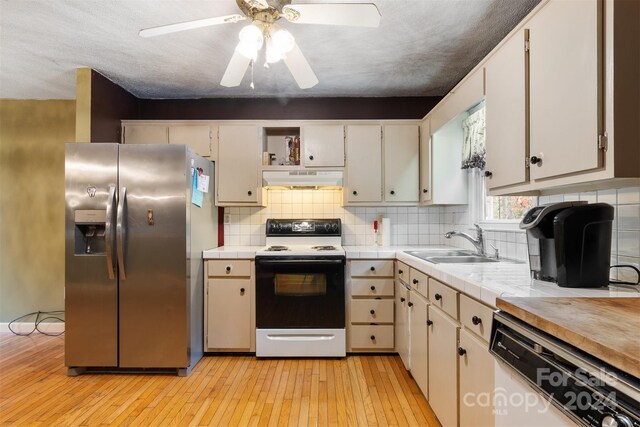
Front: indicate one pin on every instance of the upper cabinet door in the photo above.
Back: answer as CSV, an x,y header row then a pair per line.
x,y
323,145
364,164
197,137
425,160
145,134
565,83
506,113
238,159
401,163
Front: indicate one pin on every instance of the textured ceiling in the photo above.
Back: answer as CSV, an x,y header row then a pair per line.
x,y
422,48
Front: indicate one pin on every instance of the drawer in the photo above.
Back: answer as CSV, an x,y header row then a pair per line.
x,y
372,268
372,311
418,281
476,317
443,297
372,287
371,337
229,268
402,272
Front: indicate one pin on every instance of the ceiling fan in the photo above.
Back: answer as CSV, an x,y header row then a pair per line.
x,y
280,44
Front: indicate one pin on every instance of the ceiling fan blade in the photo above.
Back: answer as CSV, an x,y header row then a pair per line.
x,y
356,15
190,25
235,70
300,68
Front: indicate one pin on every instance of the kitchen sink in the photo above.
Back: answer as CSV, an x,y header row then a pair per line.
x,y
438,253
470,259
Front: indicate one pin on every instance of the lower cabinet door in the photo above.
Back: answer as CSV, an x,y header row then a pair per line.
x,y
443,360
402,324
477,368
229,314
418,346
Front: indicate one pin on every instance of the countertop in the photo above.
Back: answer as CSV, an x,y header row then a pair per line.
x,y
607,328
485,282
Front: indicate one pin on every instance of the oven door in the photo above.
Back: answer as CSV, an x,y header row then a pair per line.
x,y
300,292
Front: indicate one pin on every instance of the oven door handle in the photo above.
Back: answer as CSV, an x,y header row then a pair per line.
x,y
299,261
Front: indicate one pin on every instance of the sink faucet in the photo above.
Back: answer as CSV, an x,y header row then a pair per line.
x,y
478,242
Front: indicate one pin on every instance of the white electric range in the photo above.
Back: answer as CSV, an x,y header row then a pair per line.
x,y
300,290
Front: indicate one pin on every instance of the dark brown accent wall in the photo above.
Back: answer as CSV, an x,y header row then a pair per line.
x,y
110,103
287,109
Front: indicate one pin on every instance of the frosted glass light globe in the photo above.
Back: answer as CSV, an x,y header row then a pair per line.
x,y
251,40
283,41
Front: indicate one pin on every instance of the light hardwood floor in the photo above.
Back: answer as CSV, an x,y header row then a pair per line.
x,y
221,390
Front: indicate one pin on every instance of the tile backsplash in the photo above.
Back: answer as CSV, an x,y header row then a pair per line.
x,y
427,225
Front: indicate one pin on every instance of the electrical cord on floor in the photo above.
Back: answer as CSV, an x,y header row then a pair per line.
x,y
635,285
38,320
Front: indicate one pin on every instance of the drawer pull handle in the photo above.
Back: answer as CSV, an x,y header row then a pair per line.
x,y
242,290
415,281
476,320
402,299
228,268
372,268
373,337
438,297
429,322
355,193
249,192
373,288
373,312
410,304
461,351
400,271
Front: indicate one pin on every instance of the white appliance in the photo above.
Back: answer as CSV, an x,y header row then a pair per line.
x,y
300,290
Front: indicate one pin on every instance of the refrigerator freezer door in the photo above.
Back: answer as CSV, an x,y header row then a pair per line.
x,y
153,296
91,296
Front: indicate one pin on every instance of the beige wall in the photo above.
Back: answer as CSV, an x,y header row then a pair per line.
x,y
32,137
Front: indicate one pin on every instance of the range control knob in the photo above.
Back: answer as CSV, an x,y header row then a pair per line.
x,y
327,226
616,421
334,226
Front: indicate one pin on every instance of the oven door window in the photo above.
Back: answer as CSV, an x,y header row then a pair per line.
x,y
300,293
300,284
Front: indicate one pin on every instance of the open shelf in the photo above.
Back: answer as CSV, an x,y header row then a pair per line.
x,y
278,141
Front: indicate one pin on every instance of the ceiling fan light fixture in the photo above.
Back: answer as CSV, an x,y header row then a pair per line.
x,y
251,41
272,55
282,40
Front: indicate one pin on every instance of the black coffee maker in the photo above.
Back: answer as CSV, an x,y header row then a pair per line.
x,y
570,243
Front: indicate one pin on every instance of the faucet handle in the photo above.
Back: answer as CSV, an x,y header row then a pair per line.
x,y
478,229
496,253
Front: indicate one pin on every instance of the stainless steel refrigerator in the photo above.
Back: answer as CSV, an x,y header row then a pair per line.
x,y
133,257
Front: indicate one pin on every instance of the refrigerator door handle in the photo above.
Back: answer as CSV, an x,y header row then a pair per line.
x,y
121,232
109,237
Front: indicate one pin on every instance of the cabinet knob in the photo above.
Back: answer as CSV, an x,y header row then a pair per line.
x,y
392,192
373,288
438,297
415,281
372,268
372,312
249,192
400,272
535,160
402,299
228,268
476,320
424,190
373,337
429,322
242,290
311,157
488,174
410,304
461,351
355,193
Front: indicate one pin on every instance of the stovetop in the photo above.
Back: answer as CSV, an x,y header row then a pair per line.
x,y
297,250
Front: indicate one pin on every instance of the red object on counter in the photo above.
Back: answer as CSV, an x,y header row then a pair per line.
x,y
375,225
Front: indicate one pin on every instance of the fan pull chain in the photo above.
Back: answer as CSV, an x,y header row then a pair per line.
x,y
252,86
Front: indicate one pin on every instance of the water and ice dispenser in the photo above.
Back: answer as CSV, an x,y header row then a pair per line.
x,y
89,232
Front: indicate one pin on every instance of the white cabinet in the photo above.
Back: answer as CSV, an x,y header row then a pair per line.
x,y
443,363
506,114
425,161
237,169
323,145
462,97
198,137
401,163
229,306
402,323
418,343
448,182
477,368
363,182
565,69
145,134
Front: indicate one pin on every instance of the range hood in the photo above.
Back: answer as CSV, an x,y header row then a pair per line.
x,y
302,179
